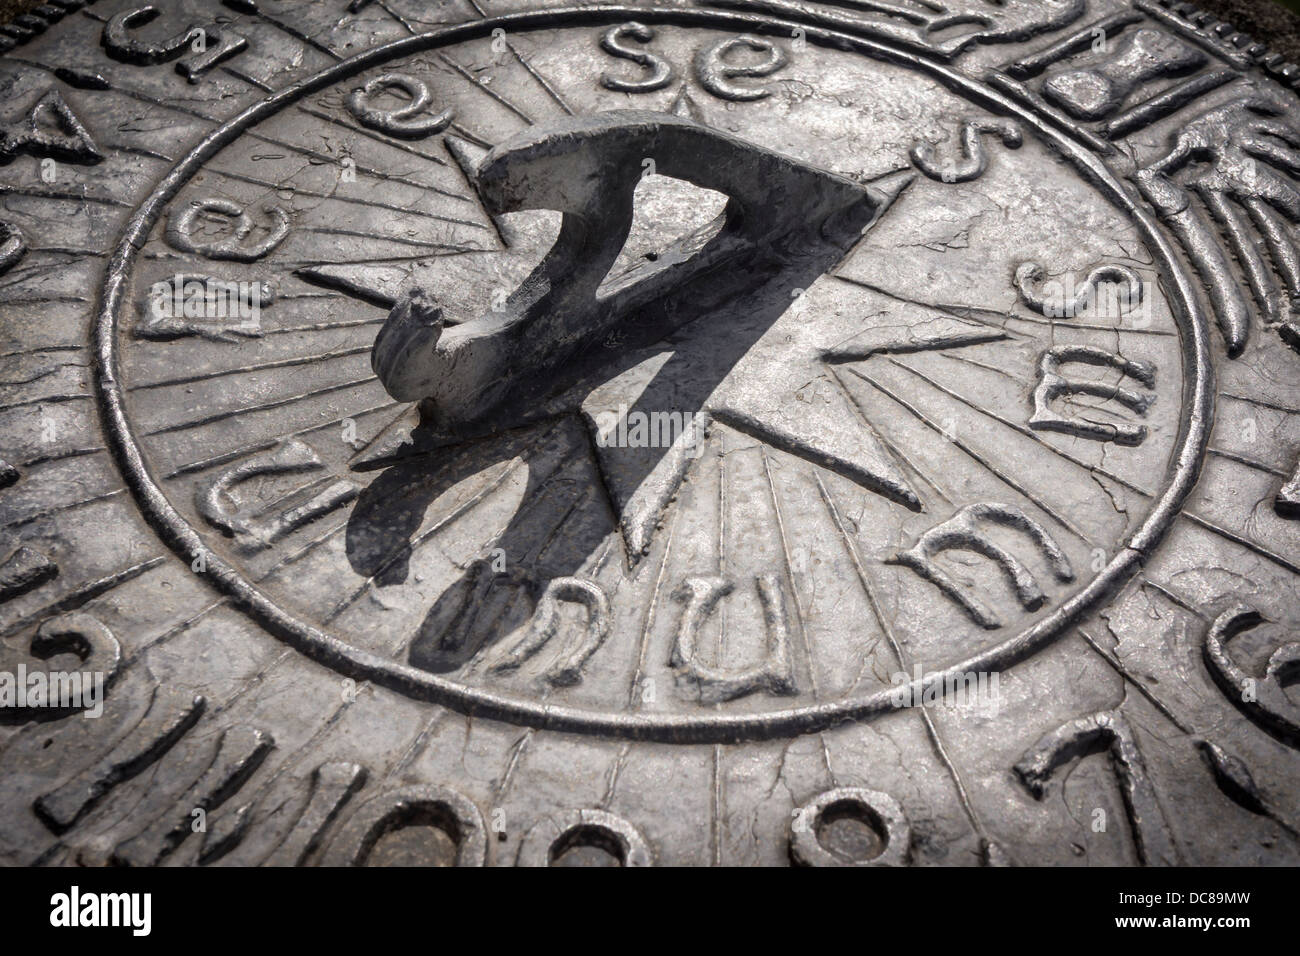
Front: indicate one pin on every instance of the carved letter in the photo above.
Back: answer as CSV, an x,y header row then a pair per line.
x,y
963,531
715,72
1052,384
546,622
973,160
255,533
1110,731
209,44
661,71
406,122
180,231
700,597
1262,699
49,129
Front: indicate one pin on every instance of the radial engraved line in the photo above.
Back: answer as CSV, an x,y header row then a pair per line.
x,y
351,200
252,683
967,360
888,444
262,137
323,326
380,237
205,463
652,604
265,406
67,251
62,456
258,367
297,34
66,506
505,472
1237,539
466,133
314,543
421,742
303,264
475,81
42,348
963,312
36,193
976,457
974,314
1248,462
1175,599
82,595
362,131
789,573
541,80
57,298
718,794
1087,327
798,609
396,16
250,80
359,167
1117,666
902,658
611,777
516,752
1027,432
39,269
1262,403
47,400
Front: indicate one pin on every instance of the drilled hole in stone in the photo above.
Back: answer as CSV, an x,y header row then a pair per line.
x,y
587,846
423,837
851,831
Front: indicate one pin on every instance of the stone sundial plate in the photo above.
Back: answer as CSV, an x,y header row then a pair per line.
x,y
755,432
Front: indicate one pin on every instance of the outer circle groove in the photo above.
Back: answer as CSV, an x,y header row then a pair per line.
x,y
330,651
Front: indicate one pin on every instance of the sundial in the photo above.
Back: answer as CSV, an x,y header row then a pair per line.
x,y
746,432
